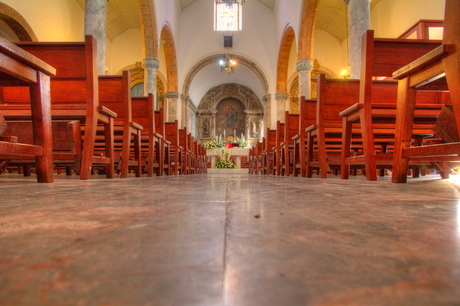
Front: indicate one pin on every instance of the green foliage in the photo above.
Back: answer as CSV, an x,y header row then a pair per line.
x,y
224,161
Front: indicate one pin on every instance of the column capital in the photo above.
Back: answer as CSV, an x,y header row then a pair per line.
x,y
172,95
346,1
281,96
267,97
151,62
185,97
304,65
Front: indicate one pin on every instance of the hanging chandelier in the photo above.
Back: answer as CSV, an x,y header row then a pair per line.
x,y
227,64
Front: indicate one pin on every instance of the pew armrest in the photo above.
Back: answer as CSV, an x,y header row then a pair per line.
x,y
351,110
422,62
311,128
107,112
137,126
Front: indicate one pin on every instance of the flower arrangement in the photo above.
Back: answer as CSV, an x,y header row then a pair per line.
x,y
215,143
242,141
224,161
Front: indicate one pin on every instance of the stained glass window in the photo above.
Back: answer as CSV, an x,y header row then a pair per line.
x,y
227,16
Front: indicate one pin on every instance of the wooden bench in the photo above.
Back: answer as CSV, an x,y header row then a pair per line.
x,y
152,143
74,96
176,151
67,144
291,128
160,128
377,101
20,68
324,138
277,149
438,70
269,143
115,94
307,117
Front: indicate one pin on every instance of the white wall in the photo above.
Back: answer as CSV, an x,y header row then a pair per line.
x,y
197,40
52,20
390,18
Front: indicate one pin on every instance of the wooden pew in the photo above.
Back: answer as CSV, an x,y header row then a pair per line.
x,y
269,145
115,94
176,151
67,144
258,160
20,68
437,70
74,96
307,117
323,139
291,128
377,60
152,143
186,156
165,145
277,150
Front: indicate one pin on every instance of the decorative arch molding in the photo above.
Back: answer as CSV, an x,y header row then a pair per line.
x,y
149,28
230,90
17,23
208,124
283,58
171,58
213,59
308,16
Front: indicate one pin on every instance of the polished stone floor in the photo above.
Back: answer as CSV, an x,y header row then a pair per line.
x,y
224,240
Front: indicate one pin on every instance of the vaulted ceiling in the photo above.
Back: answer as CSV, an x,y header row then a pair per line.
x,y
123,15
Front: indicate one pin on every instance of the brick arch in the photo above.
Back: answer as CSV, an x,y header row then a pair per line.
x,y
283,58
171,58
213,59
16,22
149,28
308,15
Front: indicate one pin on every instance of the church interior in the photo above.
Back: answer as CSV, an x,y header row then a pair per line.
x,y
229,152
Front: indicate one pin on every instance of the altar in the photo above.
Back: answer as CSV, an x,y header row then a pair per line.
x,y
237,153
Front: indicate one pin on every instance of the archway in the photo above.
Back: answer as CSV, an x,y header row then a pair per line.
x,y
283,59
172,95
16,24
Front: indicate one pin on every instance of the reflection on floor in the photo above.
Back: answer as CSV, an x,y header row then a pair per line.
x,y
211,240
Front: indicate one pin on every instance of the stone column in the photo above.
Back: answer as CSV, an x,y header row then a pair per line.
x,y
151,66
95,25
185,100
304,68
281,98
359,23
267,113
171,105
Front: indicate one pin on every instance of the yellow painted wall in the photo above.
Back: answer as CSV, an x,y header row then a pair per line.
x,y
125,50
390,18
52,20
